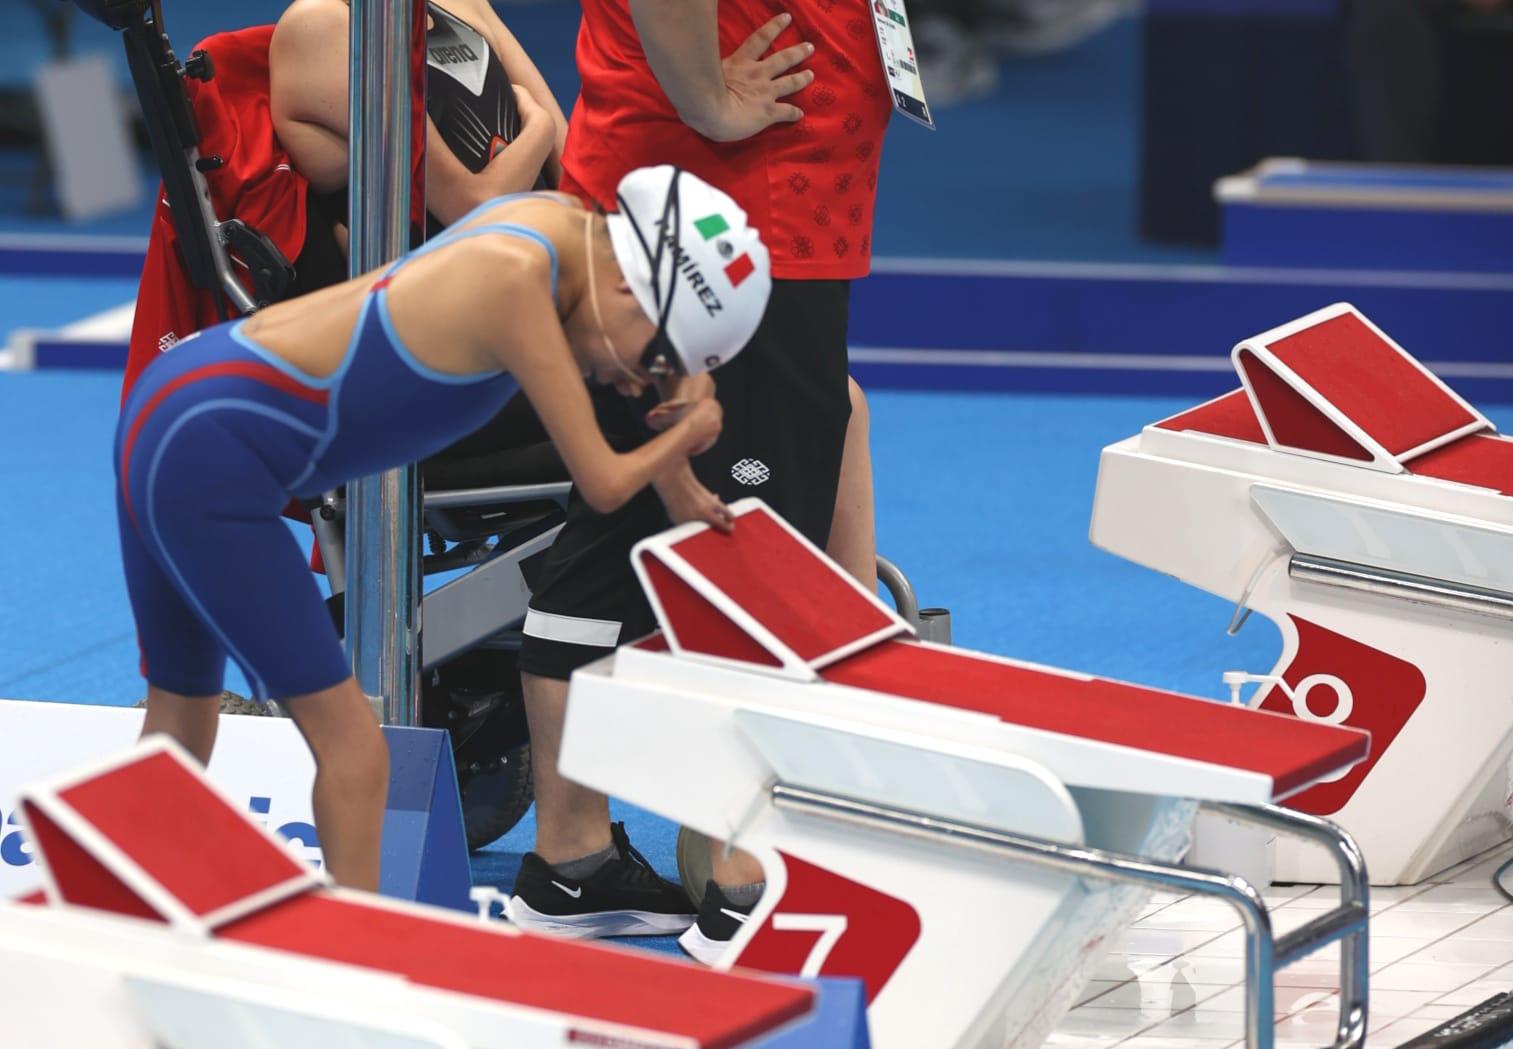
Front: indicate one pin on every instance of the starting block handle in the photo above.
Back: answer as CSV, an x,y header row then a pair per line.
x,y
1346,923
930,624
1386,582
1264,954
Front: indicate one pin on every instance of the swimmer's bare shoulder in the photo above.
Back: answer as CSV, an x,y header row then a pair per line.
x,y
477,304
540,211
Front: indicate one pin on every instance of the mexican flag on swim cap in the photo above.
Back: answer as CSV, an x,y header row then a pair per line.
x,y
695,266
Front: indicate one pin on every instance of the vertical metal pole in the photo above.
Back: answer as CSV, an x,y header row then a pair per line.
x,y
383,513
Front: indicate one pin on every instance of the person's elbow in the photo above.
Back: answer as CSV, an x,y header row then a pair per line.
x,y
453,196
605,495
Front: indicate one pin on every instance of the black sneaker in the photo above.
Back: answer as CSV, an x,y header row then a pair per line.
x,y
719,921
625,897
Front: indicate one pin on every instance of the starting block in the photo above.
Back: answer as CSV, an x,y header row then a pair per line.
x,y
965,834
223,939
1355,500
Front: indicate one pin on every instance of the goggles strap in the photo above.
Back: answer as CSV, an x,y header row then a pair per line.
x,y
593,299
669,229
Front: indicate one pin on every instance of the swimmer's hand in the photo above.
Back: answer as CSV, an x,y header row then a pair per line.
x,y
685,387
688,500
667,413
703,421
753,86
678,396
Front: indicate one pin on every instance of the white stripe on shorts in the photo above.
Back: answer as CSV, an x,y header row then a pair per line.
x,y
601,633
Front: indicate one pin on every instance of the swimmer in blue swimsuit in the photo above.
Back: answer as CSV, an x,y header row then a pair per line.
x,y
528,292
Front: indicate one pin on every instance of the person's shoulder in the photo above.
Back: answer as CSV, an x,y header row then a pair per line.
x,y
461,8
505,250
476,13
312,23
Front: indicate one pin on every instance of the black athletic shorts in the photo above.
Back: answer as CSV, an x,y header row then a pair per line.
x,y
786,409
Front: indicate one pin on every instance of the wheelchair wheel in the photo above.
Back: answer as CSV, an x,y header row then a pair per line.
x,y
476,698
496,798
231,703
693,863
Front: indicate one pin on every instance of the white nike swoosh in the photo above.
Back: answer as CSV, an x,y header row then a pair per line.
x,y
737,915
574,893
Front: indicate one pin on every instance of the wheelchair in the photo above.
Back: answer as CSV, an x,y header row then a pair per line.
x,y
489,517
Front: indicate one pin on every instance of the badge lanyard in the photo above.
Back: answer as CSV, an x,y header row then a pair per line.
x,y
895,45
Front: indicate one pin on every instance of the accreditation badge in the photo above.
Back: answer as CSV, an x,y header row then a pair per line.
x,y
895,44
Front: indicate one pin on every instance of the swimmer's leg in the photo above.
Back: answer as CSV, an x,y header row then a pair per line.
x,y
181,659
351,779
206,497
264,603
189,720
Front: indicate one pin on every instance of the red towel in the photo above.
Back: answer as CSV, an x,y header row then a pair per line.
x,y
255,184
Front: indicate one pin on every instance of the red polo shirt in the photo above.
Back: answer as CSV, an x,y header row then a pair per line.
x,y
807,187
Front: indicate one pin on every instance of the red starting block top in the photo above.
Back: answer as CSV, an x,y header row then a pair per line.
x,y
715,1010
1375,384
1334,385
1292,753
123,854
763,595
103,843
1479,460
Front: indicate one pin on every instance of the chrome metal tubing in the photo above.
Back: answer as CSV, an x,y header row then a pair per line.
x,y
1339,923
902,591
934,625
331,537
467,498
1261,949
1384,582
383,513
1348,923
231,284
1079,860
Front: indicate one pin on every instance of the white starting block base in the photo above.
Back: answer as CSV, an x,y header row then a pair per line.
x,y
222,939
1387,568
902,937
965,834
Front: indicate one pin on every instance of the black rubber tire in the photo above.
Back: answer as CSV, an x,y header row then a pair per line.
x,y
693,863
494,800
231,703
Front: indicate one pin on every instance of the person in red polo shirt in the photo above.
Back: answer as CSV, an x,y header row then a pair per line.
x,y
784,109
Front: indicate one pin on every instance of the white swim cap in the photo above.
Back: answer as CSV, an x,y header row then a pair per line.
x,y
695,266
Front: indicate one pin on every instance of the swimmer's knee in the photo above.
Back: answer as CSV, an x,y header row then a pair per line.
x,y
360,766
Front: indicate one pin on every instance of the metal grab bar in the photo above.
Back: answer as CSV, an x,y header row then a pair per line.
x,y
504,495
1264,954
904,599
1347,923
1384,582
931,624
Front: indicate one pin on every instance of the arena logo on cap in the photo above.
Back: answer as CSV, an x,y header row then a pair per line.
x,y
738,268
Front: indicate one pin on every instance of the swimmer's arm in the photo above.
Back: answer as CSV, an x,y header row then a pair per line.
x,y
537,354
